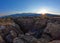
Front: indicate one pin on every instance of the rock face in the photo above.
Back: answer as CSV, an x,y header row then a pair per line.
x,y
53,29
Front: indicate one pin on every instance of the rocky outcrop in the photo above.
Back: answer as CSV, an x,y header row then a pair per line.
x,y
9,30
53,29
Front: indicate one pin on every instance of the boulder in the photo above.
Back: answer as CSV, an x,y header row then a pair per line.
x,y
53,29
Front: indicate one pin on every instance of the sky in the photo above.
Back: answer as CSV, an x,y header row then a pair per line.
x,y
29,6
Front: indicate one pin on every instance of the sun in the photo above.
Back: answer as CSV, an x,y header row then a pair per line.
x,y
43,11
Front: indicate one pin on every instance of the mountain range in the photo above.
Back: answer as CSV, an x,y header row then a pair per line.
x,y
26,15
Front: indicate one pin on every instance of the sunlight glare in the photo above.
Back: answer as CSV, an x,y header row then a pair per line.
x,y
43,11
